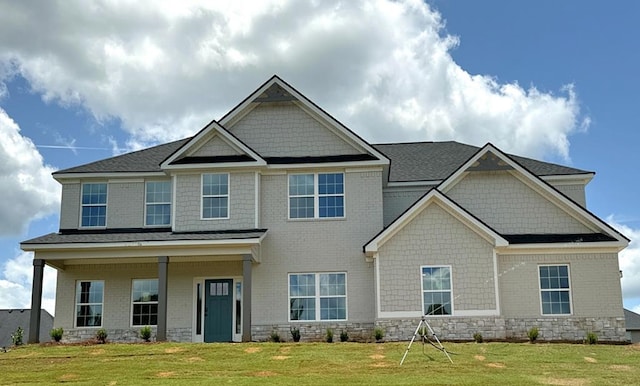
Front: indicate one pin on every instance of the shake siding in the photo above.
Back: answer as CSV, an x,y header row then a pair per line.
x,y
509,206
435,237
70,206
189,204
327,245
117,289
285,130
595,284
125,205
397,200
215,147
574,192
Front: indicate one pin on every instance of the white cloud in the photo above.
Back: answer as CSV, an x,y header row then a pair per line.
x,y
27,189
629,260
15,288
383,67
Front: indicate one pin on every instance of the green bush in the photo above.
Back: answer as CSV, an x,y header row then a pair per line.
x,y
591,338
275,337
378,334
295,334
101,336
145,333
56,334
478,337
533,334
16,337
329,336
344,336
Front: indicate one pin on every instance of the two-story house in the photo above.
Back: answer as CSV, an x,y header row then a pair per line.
x,y
277,215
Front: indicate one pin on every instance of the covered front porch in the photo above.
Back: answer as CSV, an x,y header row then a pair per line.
x,y
203,282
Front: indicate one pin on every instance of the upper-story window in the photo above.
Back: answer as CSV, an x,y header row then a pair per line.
x,y
316,195
215,196
94,205
158,203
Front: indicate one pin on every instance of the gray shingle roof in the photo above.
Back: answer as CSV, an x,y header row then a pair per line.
x,y
11,319
428,161
140,235
632,320
416,161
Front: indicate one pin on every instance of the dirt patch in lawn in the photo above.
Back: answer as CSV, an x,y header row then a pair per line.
x,y
496,365
480,357
591,360
265,373
99,351
280,357
252,350
377,356
165,374
194,359
68,377
620,367
173,350
566,381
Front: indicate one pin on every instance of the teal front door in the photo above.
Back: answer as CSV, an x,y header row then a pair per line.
x,y
218,307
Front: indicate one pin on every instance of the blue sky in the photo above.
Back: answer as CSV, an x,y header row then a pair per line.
x,y
546,79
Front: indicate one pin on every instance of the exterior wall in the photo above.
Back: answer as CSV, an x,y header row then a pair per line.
x,y
594,281
633,336
574,192
435,237
285,130
125,205
511,207
117,296
397,200
214,147
311,246
188,201
70,206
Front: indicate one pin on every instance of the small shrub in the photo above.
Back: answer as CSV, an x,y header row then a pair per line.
x,y
56,334
275,337
329,336
478,337
344,336
145,333
101,336
591,338
295,334
378,334
16,337
533,334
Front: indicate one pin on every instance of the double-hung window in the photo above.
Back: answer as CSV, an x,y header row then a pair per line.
x,y
158,203
89,300
215,196
144,302
94,205
436,290
555,289
318,296
316,195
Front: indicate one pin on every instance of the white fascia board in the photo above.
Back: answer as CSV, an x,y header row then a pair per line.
x,y
401,184
221,165
562,248
118,175
569,179
322,165
142,244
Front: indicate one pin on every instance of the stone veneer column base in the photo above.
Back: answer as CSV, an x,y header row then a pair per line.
x,y
131,335
314,331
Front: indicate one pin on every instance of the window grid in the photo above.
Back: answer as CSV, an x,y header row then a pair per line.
x,y
89,303
319,195
144,302
555,289
94,205
317,296
158,203
215,196
437,296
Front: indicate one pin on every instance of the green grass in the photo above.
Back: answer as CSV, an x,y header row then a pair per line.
x,y
321,364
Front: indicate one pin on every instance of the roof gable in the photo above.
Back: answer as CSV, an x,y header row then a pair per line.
x,y
490,158
213,147
434,197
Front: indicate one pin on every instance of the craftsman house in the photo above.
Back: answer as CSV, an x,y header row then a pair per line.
x,y
277,215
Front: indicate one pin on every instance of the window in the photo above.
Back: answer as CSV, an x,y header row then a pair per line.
x,y
144,295
318,296
215,196
89,297
436,290
555,292
318,195
94,205
158,203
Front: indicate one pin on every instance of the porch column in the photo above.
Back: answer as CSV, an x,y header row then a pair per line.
x,y
246,298
163,270
36,301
